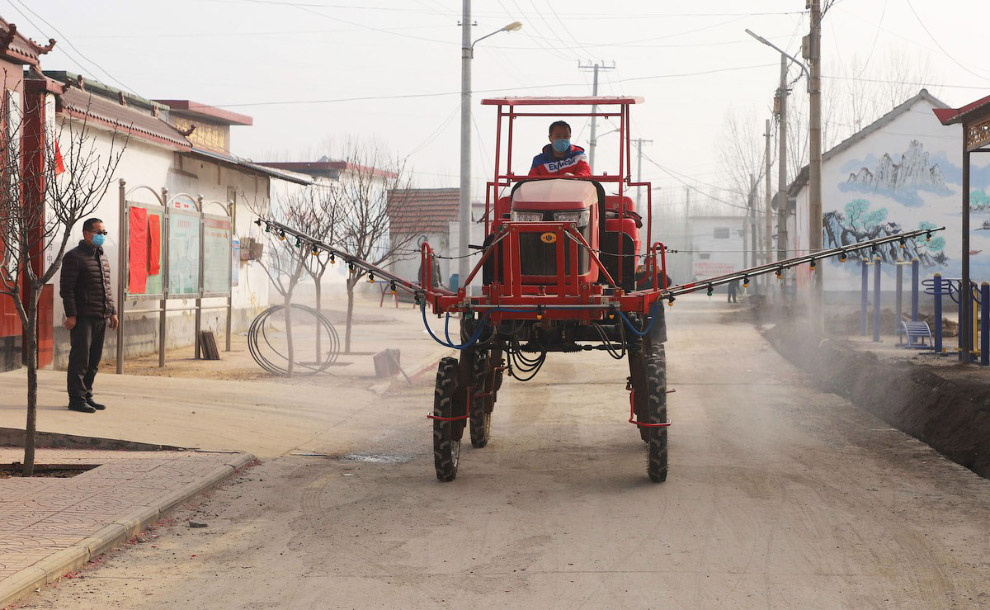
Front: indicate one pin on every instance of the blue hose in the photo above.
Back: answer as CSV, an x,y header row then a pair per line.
x,y
645,331
484,319
471,341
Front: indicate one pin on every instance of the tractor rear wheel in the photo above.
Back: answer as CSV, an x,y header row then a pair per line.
x,y
481,401
656,438
446,437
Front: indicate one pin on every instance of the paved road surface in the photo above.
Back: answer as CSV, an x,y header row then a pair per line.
x,y
779,496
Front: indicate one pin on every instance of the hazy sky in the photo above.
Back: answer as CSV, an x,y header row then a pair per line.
x,y
314,71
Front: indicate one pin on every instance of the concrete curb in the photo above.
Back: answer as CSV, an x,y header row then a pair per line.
x,y
52,568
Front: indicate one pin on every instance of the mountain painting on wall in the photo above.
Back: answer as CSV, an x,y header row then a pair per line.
x,y
902,182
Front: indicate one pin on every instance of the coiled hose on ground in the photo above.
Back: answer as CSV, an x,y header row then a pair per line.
x,y
270,356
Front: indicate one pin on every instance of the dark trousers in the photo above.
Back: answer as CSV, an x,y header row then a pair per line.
x,y
84,358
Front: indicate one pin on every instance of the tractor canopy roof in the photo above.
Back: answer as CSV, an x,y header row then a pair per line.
x,y
589,100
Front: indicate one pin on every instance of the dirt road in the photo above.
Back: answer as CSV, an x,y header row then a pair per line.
x,y
779,496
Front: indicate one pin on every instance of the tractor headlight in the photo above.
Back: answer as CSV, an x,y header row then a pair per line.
x,y
527,216
579,218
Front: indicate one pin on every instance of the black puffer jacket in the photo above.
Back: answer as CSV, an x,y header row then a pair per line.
x,y
85,282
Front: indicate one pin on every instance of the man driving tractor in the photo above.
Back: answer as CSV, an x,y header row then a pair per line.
x,y
560,157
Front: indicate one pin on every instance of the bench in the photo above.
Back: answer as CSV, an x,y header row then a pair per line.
x,y
917,334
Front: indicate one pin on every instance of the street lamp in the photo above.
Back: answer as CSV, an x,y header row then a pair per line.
x,y
811,53
464,215
782,146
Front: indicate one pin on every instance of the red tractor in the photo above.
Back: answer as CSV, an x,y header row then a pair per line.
x,y
564,268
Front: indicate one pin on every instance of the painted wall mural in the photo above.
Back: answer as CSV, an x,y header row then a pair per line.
x,y
905,176
859,223
904,182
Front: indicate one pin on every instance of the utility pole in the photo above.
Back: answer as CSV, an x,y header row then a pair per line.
x,y
464,208
812,52
751,218
781,100
639,169
687,231
767,212
464,203
596,66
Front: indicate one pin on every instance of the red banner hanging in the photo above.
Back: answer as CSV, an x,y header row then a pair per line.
x,y
154,244
137,251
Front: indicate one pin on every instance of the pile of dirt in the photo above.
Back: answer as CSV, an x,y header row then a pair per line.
x,y
950,415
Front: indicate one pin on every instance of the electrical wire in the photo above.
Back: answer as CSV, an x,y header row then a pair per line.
x,y
498,90
937,44
66,40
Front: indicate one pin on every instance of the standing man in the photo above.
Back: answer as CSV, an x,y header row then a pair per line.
x,y
560,157
88,301
733,290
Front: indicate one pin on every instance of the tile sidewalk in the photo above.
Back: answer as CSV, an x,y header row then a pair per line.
x,y
52,526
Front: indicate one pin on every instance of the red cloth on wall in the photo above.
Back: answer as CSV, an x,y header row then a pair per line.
x,y
137,251
154,244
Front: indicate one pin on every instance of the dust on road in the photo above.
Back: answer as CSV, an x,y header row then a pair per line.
x,y
779,495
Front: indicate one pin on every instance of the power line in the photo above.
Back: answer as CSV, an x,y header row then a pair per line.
x,y
66,40
901,82
941,48
673,175
875,38
436,132
503,89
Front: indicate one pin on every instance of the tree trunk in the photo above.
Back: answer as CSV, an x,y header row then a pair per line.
x,y
32,384
319,328
290,353
351,282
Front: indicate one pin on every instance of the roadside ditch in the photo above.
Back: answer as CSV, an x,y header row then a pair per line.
x,y
950,413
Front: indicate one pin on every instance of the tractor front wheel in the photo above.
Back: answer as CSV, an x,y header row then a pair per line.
x,y
446,434
656,438
481,401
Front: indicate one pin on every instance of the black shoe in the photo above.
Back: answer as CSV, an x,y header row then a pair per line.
x,y
81,406
94,404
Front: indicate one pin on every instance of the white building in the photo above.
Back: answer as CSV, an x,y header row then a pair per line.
x,y
901,173
716,246
184,148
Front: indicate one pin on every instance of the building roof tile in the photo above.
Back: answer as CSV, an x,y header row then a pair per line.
x,y
17,47
422,210
83,104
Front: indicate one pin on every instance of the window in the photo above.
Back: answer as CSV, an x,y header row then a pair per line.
x,y
704,256
721,232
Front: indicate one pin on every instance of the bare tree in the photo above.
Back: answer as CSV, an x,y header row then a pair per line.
x,y
316,213
361,201
854,95
741,152
284,265
40,203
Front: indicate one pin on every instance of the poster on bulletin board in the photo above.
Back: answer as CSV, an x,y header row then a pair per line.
x,y
144,248
183,254
216,255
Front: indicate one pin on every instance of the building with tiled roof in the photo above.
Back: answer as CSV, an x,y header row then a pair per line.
x,y
177,148
423,210
18,54
431,215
